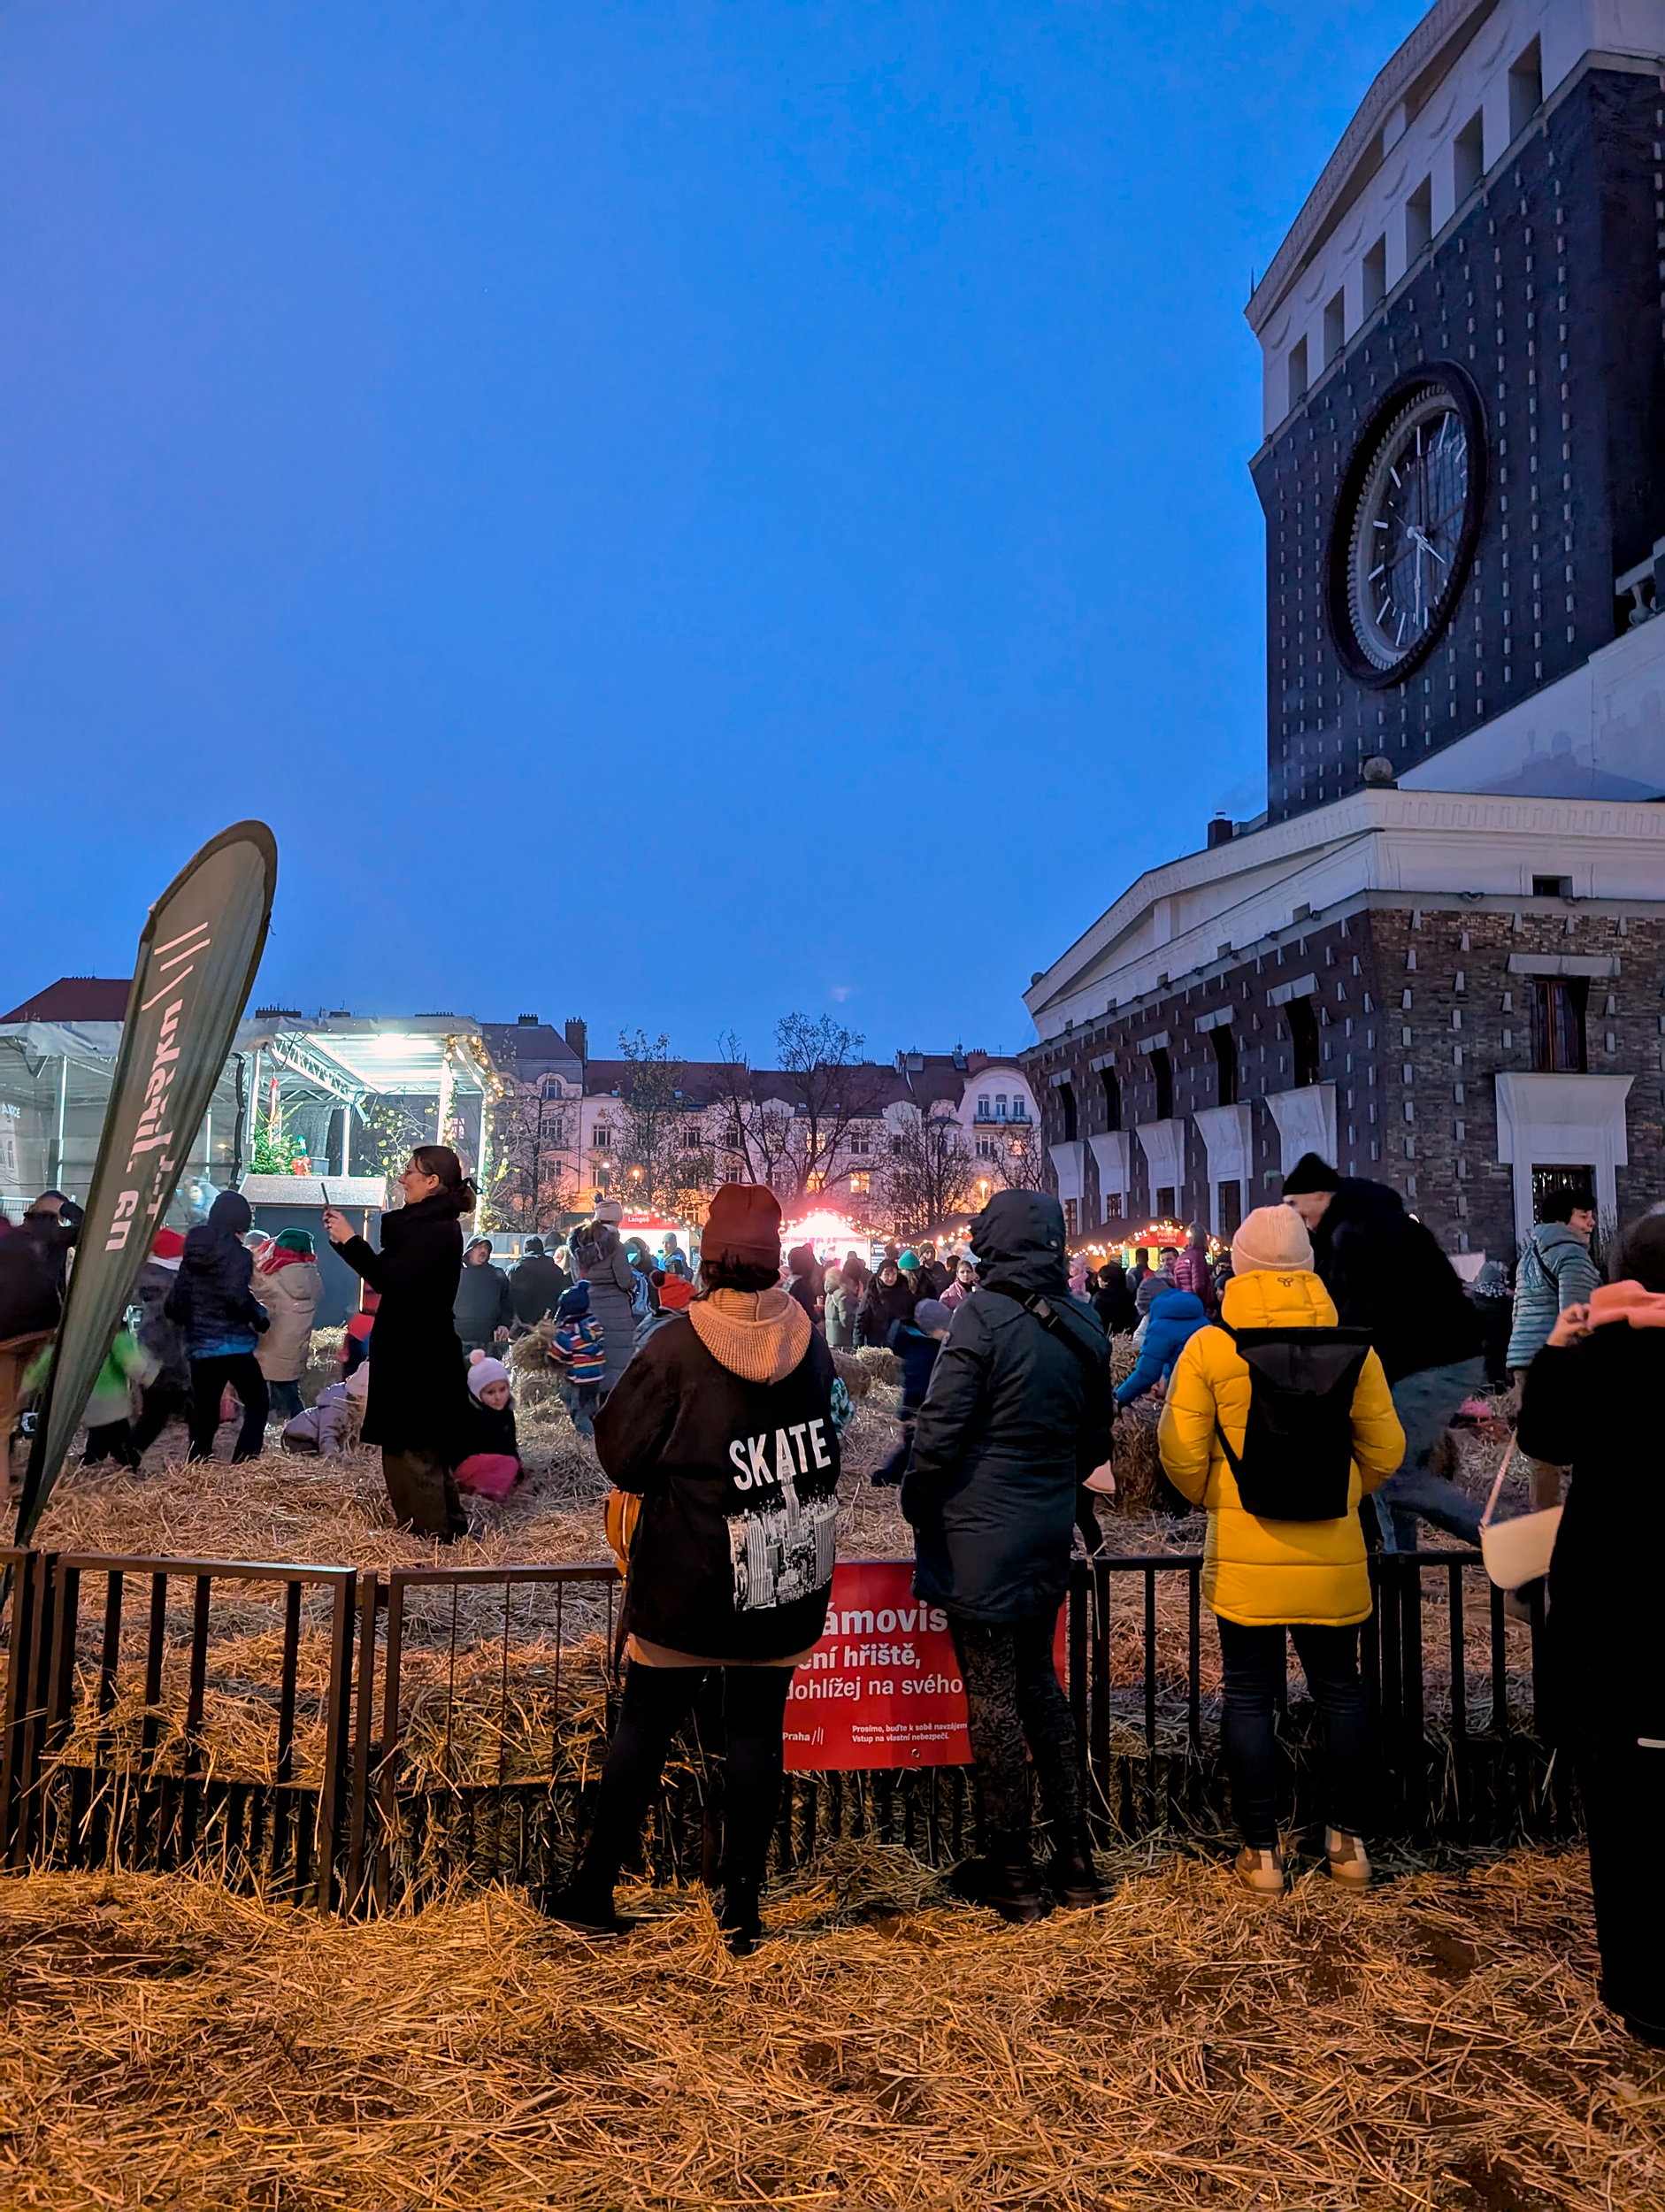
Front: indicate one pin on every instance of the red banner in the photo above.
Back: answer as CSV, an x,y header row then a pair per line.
x,y
882,1688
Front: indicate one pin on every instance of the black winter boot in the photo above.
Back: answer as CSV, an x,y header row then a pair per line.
x,y
1003,1879
1071,1875
737,1917
585,1907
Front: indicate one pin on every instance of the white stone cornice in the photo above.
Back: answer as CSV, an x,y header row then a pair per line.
x,y
1436,845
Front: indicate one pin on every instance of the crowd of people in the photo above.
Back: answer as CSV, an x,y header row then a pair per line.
x,y
1305,1379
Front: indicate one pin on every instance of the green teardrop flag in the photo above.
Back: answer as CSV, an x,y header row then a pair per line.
x,y
197,965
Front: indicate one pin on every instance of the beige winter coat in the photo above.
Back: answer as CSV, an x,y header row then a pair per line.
x,y
290,1297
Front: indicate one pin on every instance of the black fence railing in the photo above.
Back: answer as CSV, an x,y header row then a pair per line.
x,y
358,1738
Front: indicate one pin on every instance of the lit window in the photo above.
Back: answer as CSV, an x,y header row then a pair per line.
x,y
1000,1105
602,1139
861,1184
815,1180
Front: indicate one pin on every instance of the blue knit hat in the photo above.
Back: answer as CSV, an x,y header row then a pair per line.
x,y
574,1303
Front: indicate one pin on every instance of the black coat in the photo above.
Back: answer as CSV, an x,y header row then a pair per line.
x,y
418,1395
1014,1419
882,1306
157,1333
211,1301
482,1303
489,1429
535,1287
733,1556
1387,1274
31,1293
1598,1406
1114,1302
933,1279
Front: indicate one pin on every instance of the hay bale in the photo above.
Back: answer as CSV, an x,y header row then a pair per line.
x,y
882,1366
850,1372
1135,1458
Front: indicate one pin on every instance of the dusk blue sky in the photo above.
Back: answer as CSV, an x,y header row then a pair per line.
x,y
675,514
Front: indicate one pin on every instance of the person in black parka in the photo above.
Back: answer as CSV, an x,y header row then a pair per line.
x,y
417,1407
722,1426
483,1307
220,1322
888,1298
1594,1398
536,1285
1018,1412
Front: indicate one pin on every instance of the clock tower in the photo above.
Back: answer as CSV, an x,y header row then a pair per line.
x,y
1463,470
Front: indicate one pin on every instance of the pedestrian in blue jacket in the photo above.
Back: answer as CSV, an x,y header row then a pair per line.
x,y
1175,1318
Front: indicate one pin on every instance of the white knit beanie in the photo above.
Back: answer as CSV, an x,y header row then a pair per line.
x,y
484,1370
1272,1237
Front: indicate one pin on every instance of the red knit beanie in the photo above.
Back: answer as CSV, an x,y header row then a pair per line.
x,y
167,1244
676,1294
743,1227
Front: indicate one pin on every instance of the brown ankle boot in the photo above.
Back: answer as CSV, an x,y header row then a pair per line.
x,y
1349,1865
1261,1872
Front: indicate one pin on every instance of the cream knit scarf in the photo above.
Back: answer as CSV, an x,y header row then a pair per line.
x,y
759,1335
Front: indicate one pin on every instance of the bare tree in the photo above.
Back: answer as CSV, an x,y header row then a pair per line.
x,y
791,1128
532,1180
1020,1161
930,1173
650,1116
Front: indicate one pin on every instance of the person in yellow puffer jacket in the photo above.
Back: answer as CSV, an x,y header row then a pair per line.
x,y
1264,1577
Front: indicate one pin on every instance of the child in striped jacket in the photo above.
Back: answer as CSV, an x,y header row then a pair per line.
x,y
579,1350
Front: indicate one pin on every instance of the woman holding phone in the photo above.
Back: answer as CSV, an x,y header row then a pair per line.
x,y
418,1405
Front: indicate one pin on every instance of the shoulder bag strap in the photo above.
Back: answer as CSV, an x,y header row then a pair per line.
x,y
1053,1323
1497,1487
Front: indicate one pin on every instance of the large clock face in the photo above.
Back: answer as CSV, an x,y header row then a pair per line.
x,y
1405,529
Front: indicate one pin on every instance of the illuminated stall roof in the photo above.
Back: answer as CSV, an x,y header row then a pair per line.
x,y
347,1057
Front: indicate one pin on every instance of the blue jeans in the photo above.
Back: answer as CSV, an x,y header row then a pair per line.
x,y
1253,1664
1425,1402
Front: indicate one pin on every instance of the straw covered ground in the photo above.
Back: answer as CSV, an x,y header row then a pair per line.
x,y
1435,2044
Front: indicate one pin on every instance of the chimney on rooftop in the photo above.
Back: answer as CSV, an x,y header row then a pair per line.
x,y
1222,830
577,1040
526,1021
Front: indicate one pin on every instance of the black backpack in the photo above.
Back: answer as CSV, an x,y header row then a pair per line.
x,y
1296,1458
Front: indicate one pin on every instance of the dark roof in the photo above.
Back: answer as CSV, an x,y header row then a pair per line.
x,y
76,998
871,1085
529,1049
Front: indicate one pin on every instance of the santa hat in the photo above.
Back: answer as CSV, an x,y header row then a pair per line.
x,y
483,1371
676,1294
167,1244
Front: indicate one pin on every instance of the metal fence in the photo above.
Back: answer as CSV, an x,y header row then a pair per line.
x,y
355,1739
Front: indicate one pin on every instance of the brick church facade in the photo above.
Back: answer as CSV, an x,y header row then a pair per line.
x,y
1438,958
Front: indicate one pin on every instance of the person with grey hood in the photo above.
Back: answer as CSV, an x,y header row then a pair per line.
x,y
1556,1271
597,1254
1018,1412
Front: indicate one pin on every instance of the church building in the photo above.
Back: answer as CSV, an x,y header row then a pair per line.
x,y
1438,957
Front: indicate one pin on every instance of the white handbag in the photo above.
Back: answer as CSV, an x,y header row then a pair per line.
x,y
1517,1551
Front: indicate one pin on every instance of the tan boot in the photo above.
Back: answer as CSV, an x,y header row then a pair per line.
x,y
1261,1872
1349,1863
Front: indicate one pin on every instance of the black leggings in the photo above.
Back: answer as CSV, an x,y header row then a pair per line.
x,y
209,1378
658,1701
1254,1660
1013,1696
